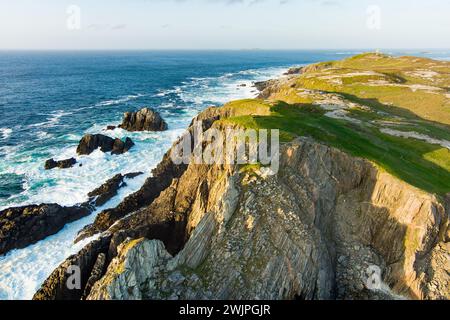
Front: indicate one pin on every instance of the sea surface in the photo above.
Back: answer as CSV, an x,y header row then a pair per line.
x,y
49,100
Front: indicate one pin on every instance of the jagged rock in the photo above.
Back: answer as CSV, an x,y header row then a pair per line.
x,y
108,190
120,147
55,287
97,272
129,285
62,164
111,127
261,85
23,226
91,142
161,178
145,119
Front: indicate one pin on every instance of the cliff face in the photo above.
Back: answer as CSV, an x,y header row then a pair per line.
x,y
314,231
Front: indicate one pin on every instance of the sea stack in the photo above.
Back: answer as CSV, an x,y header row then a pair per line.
x,y
145,119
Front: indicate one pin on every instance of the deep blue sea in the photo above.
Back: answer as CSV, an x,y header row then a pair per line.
x,y
49,100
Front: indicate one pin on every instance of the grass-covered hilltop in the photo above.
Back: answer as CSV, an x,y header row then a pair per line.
x,y
394,111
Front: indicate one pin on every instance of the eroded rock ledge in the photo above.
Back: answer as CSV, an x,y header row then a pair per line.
x,y
26,225
22,226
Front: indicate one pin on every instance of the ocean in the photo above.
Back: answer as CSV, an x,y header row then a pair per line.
x,y
49,100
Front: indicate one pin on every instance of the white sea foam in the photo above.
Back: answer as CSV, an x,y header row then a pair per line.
x,y
231,86
23,271
5,133
52,120
119,100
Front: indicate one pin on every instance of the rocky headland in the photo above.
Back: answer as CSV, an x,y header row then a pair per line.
x,y
355,211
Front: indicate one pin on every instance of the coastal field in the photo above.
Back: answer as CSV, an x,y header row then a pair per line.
x,y
394,111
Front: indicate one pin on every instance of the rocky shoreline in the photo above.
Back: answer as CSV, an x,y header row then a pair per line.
x,y
199,231
26,225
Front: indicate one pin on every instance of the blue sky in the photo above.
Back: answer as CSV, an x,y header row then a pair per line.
x,y
224,24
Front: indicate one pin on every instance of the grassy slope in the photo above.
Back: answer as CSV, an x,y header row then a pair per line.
x,y
424,165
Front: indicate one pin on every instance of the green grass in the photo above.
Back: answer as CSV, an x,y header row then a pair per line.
x,y
421,164
420,103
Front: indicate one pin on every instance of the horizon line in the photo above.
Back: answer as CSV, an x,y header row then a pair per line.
x,y
223,49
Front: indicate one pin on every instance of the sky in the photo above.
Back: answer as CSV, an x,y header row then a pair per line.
x,y
224,24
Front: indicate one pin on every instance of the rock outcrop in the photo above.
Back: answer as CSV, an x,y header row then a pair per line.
x,y
108,190
62,164
22,226
55,287
145,119
91,142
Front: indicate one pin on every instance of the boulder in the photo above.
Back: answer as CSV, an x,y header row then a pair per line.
x,y
62,164
143,120
91,142
120,147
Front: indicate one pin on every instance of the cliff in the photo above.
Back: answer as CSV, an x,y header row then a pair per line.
x,y
352,213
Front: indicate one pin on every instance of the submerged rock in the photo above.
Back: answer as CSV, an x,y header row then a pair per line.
x,y
143,120
62,164
22,226
91,142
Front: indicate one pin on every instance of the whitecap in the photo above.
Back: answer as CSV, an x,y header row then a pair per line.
x,y
119,100
52,120
5,132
